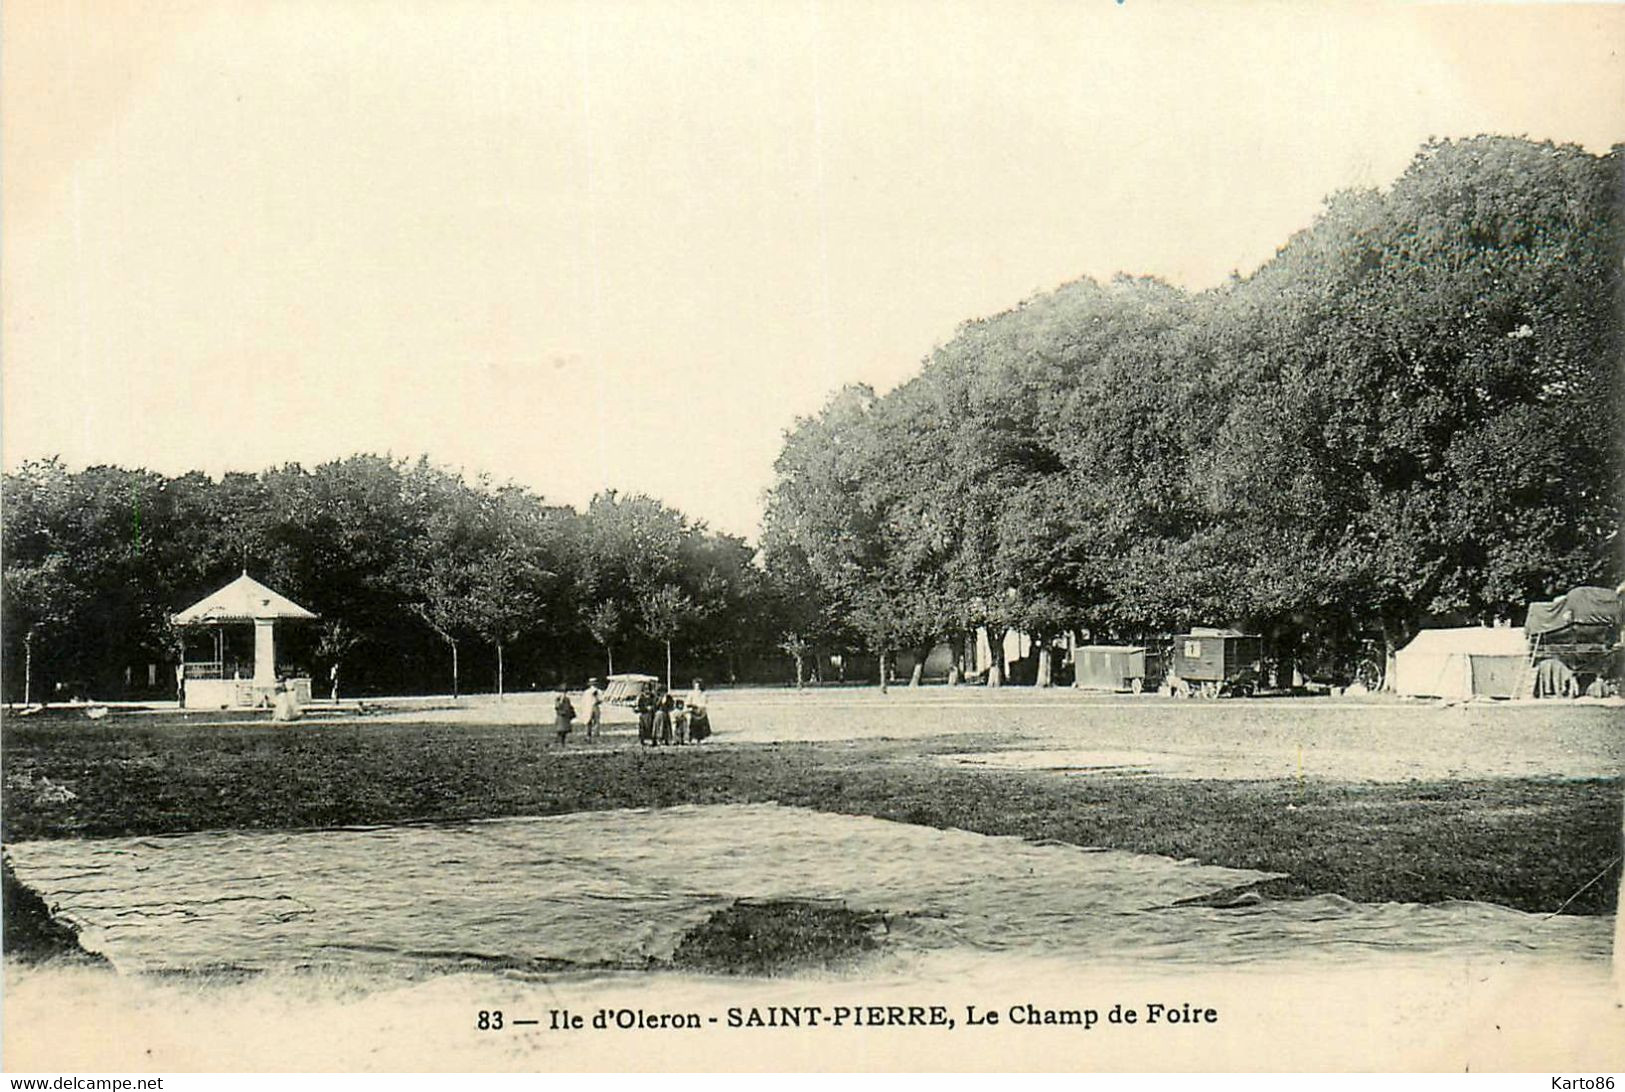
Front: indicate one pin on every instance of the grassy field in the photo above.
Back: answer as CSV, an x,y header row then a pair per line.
x,y
1533,843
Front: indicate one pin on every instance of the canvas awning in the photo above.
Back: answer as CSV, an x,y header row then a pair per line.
x,y
624,689
243,600
1580,607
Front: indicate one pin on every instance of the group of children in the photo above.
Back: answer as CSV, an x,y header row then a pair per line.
x,y
662,719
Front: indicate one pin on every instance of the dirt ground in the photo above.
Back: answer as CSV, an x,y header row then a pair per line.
x,y
1375,738
1376,800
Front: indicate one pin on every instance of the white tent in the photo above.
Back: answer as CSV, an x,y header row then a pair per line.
x,y
1475,661
624,689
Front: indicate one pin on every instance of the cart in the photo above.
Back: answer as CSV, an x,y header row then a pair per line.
x,y
1212,663
1114,667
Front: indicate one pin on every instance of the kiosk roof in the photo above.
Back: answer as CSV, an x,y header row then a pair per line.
x,y
243,600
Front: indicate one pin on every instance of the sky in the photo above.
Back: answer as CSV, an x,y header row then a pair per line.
x,y
584,246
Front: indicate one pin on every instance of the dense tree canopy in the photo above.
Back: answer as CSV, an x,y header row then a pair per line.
x,y
1413,410
423,580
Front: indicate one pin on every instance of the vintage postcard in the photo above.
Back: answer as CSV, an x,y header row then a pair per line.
x,y
812,536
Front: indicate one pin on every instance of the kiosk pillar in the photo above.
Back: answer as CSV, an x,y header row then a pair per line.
x,y
264,652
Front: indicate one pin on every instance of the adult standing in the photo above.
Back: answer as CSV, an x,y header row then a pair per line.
x,y
662,719
564,715
286,705
645,706
699,717
592,705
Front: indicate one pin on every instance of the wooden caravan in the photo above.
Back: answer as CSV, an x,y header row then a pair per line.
x,y
1214,662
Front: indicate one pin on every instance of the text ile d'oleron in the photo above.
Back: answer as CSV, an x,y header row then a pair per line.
x,y
1024,1014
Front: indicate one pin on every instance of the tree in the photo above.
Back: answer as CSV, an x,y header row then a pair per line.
x,y
504,600
337,641
664,611
449,613
606,621
827,518
796,607
41,606
797,647
1410,410
1425,427
445,603
436,574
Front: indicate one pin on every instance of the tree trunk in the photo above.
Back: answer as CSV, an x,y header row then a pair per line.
x,y
500,695
609,654
1388,650
956,659
668,665
1046,666
918,674
28,669
1395,632
454,692
885,670
1286,662
995,650
1390,645
801,677
180,671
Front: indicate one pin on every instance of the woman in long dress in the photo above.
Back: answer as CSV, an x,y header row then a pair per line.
x,y
645,706
564,715
662,721
699,717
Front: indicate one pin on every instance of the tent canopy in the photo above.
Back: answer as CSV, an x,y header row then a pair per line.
x,y
624,689
1580,607
243,600
1474,661
1470,640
